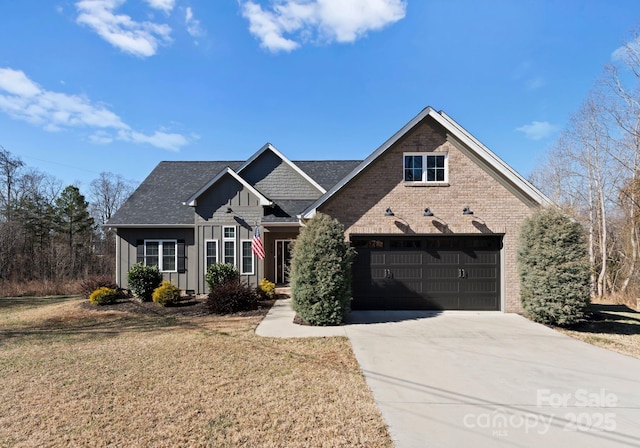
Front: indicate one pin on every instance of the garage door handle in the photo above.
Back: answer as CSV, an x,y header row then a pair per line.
x,y
462,273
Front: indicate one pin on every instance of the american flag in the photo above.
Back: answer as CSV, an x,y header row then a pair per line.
x,y
256,244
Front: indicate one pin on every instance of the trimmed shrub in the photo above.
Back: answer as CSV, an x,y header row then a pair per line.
x,y
220,273
91,284
554,269
103,296
321,272
232,297
143,280
166,294
266,289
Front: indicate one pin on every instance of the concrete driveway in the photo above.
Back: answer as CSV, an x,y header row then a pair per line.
x,y
493,380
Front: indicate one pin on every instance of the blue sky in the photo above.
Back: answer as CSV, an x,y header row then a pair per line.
x,y
120,85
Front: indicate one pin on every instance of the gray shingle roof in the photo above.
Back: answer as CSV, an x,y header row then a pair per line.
x,y
159,199
327,172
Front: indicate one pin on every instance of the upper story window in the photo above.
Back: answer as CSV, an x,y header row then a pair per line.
x,y
425,168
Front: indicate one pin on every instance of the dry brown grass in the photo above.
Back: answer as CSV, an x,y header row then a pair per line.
x,y
614,327
39,288
73,376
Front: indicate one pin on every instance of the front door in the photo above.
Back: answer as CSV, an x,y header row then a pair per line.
x,y
283,259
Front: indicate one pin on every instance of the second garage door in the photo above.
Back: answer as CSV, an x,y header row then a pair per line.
x,y
426,272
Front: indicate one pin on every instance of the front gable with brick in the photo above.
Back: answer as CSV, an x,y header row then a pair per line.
x,y
440,258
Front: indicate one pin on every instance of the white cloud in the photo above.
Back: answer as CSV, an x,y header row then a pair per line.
x,y
323,20
622,53
137,38
193,24
162,5
537,130
23,99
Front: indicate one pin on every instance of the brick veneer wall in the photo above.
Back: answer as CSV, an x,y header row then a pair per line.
x,y
361,205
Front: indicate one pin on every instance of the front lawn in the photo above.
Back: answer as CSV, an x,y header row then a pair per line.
x,y
73,375
615,327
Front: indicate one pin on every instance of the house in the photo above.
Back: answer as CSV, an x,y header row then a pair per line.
x,y
433,214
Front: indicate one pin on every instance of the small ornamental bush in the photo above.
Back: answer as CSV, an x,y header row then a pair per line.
x,y
554,269
166,294
231,297
266,289
92,283
103,296
143,280
219,274
321,272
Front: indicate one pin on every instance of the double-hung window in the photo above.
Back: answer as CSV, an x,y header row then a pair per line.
x,y
161,253
425,168
229,245
246,266
211,253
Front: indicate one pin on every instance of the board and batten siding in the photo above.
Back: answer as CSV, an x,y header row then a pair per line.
x,y
226,204
127,253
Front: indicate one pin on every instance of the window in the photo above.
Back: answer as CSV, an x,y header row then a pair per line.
x,y
229,245
425,167
247,258
210,253
161,253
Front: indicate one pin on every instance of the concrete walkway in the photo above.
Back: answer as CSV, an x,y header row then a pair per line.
x,y
464,379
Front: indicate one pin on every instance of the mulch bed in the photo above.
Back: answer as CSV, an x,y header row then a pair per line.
x,y
188,307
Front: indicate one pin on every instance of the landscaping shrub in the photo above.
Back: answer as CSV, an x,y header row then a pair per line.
x,y
231,297
321,272
90,284
103,296
143,280
554,269
219,274
166,294
266,289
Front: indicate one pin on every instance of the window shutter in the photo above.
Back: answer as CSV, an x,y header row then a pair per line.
x,y
182,257
140,251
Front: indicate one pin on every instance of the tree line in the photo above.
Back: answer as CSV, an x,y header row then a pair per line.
x,y
593,173
53,233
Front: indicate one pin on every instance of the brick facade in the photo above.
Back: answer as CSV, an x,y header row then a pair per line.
x,y
499,208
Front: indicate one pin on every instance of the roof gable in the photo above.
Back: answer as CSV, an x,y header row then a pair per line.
x,y
193,200
453,128
271,148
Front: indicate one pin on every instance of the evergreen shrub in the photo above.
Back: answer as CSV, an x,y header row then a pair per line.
x,y
166,294
143,280
103,296
321,272
554,269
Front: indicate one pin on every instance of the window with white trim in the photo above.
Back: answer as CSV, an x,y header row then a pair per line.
x,y
161,253
246,266
229,245
425,168
210,253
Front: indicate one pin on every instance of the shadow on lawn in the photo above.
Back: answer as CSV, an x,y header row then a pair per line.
x,y
610,319
7,303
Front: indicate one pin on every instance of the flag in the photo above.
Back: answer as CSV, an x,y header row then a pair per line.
x,y
256,244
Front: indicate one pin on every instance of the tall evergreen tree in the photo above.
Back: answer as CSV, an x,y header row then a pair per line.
x,y
76,224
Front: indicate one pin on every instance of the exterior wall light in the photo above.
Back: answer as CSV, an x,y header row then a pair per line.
x,y
427,212
389,212
467,211
229,210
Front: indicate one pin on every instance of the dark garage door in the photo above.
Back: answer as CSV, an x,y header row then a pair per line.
x,y
426,273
